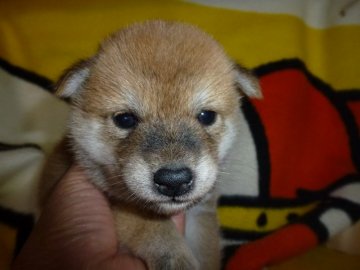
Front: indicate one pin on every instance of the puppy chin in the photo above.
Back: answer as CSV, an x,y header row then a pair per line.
x,y
172,207
168,206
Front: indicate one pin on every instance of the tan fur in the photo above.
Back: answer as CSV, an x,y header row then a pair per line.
x,y
166,74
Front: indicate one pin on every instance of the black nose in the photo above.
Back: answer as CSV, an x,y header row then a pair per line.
x,y
173,182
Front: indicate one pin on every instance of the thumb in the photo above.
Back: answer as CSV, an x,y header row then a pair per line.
x,y
120,261
80,211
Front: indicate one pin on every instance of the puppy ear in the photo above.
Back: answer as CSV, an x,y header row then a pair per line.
x,y
73,79
247,83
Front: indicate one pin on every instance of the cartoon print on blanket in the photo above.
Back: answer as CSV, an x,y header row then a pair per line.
x,y
26,135
299,184
308,152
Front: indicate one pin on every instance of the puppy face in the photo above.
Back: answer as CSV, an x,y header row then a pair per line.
x,y
154,113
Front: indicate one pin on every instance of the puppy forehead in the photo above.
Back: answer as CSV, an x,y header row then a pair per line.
x,y
159,42
162,51
182,95
159,63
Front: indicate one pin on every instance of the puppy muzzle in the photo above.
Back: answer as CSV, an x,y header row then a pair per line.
x,y
173,182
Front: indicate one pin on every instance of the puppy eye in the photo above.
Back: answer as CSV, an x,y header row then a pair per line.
x,y
125,120
207,118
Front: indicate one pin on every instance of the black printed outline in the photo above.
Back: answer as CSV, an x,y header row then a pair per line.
x,y
23,223
236,234
10,147
258,133
27,75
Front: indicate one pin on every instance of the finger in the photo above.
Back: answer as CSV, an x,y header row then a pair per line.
x,y
76,211
179,221
121,261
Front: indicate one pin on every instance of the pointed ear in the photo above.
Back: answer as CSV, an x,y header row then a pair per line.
x,y
247,83
73,79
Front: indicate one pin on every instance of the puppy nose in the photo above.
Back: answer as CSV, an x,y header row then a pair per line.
x,y
173,182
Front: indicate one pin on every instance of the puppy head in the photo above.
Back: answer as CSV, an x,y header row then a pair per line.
x,y
154,112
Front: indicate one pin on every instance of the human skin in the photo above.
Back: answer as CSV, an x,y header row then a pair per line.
x,y
76,230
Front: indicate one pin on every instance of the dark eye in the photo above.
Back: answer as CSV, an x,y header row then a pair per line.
x,y
207,118
125,120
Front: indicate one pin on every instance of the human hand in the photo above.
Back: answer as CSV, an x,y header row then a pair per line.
x,y
76,230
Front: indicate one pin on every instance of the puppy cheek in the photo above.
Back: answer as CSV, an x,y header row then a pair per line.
x,y
138,177
89,137
227,138
206,172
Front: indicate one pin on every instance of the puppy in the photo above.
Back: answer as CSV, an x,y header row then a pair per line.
x,y
154,113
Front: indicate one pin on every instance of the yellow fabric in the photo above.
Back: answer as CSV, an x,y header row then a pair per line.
x,y
245,218
46,36
7,245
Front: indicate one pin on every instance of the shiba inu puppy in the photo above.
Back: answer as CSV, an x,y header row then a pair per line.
x,y
154,113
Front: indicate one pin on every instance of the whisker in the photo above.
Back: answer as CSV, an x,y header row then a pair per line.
x,y
224,173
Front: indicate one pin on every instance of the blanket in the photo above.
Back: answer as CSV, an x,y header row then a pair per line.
x,y
293,182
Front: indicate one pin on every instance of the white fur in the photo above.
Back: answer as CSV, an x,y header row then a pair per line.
x,y
239,173
206,173
248,85
72,85
88,136
138,177
227,140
